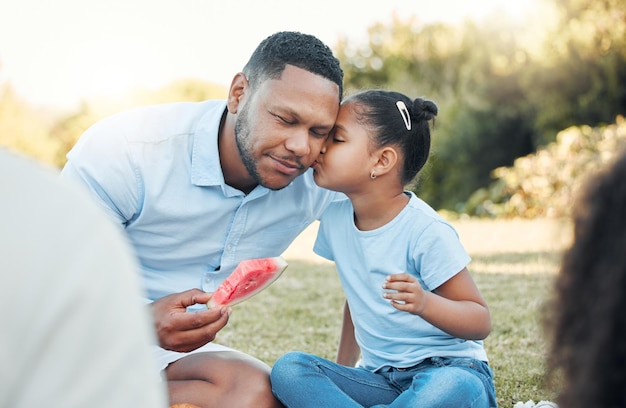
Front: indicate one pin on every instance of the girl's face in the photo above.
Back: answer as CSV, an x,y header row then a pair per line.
x,y
347,157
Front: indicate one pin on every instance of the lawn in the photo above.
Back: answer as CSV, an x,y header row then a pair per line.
x,y
514,264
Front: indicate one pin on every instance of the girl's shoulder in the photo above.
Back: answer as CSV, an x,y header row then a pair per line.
x,y
426,217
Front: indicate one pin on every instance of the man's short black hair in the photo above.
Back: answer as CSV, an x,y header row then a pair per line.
x,y
292,48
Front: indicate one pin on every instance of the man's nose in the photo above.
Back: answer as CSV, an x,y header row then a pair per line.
x,y
298,142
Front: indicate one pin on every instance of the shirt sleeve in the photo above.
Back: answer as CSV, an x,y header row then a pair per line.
x,y
439,254
321,246
102,162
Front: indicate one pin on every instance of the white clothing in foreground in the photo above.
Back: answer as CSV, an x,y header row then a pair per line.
x,y
74,332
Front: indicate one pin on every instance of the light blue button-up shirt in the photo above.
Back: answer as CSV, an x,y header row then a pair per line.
x,y
156,171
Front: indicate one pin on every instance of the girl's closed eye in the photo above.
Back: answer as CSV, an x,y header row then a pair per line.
x,y
337,135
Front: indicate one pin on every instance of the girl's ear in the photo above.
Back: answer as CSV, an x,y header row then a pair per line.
x,y
239,87
387,159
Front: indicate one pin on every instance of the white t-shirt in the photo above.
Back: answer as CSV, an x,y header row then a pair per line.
x,y
74,331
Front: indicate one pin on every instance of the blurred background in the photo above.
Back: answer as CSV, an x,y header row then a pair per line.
x,y
531,93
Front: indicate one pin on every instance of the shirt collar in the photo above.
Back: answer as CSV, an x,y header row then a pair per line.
x,y
205,157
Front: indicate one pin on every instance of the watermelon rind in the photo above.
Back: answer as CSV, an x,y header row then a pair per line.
x,y
234,283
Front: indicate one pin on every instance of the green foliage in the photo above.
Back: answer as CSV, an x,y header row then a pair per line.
x,y
544,184
68,129
190,90
516,345
48,136
483,121
22,128
502,92
581,75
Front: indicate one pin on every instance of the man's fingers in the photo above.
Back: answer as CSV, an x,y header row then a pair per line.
x,y
193,297
197,329
195,320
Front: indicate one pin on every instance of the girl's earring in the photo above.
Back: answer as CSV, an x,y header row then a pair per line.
x,y
373,174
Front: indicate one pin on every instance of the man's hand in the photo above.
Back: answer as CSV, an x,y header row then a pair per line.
x,y
179,330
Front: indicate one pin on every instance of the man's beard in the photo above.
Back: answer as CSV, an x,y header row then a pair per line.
x,y
244,145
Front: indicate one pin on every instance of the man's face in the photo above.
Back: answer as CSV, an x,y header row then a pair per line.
x,y
282,125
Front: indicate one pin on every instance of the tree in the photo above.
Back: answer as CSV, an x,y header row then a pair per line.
x,y
68,129
473,74
500,97
581,75
22,128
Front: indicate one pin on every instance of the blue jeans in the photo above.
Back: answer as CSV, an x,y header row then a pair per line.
x,y
303,380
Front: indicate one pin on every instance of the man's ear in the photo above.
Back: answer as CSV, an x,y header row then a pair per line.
x,y
238,89
387,159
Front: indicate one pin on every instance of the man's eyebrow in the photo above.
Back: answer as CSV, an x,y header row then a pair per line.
x,y
323,127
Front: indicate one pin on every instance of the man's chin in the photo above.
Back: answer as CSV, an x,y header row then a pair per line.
x,y
277,183
275,186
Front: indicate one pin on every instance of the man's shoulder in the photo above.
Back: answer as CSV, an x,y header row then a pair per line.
x,y
180,112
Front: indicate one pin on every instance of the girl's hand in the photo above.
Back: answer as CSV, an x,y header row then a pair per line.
x,y
455,307
409,296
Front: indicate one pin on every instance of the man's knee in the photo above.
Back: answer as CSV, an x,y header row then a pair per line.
x,y
221,380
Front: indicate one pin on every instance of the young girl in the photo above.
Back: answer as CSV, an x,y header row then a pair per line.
x,y
413,313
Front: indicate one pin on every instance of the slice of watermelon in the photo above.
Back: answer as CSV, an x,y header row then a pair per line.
x,y
249,278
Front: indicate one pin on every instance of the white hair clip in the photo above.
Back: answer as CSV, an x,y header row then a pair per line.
x,y
405,114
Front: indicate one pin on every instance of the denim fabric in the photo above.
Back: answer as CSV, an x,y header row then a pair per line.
x,y
303,380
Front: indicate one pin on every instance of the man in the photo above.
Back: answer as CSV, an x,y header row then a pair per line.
x,y
74,333
199,187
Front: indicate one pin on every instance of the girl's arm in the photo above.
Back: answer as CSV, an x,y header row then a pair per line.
x,y
349,351
455,307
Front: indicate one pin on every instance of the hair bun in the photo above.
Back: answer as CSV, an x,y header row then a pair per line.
x,y
425,109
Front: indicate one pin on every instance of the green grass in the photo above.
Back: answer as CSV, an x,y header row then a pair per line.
x,y
302,311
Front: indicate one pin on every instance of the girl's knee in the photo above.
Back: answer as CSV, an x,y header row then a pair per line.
x,y
289,367
450,387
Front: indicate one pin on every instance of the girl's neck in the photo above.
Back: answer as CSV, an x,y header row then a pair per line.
x,y
373,210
